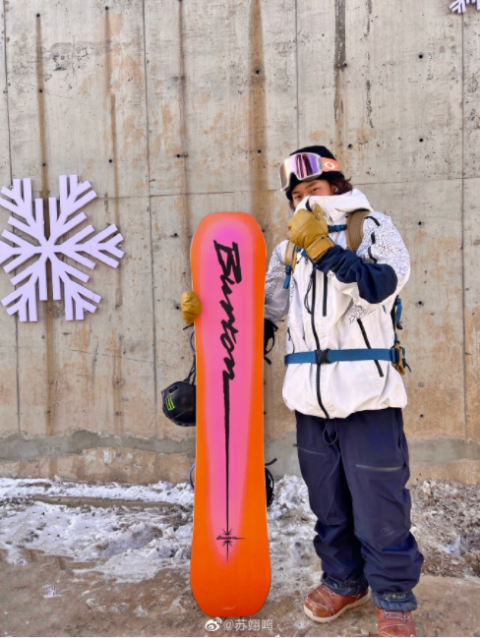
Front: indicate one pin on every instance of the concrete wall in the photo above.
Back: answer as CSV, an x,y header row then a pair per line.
x,y
173,109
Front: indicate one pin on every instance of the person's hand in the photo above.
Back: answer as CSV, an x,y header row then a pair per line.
x,y
190,305
310,231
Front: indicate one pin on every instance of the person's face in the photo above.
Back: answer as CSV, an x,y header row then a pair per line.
x,y
319,187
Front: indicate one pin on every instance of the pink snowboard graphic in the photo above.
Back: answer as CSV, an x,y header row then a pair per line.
x,y
230,572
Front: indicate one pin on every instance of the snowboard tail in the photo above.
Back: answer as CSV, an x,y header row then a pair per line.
x,y
230,567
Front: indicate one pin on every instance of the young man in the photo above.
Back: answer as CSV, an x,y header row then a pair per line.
x,y
348,405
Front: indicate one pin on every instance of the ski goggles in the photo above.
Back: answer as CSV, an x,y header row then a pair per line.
x,y
303,166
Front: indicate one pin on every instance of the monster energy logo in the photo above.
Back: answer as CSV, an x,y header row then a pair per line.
x,y
169,403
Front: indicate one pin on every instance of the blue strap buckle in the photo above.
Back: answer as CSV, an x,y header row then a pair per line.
x,y
322,356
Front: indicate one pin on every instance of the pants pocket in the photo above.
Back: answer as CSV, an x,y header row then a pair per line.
x,y
379,469
314,452
327,490
381,505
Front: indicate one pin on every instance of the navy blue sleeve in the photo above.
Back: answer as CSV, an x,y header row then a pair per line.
x,y
375,282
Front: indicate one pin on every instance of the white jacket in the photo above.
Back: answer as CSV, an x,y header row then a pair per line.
x,y
347,305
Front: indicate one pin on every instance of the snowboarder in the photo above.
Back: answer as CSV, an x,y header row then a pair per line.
x,y
344,383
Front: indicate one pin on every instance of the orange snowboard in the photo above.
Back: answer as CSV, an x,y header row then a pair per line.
x,y
230,567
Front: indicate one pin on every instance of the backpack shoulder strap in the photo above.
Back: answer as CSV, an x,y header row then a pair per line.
x,y
290,254
355,228
290,261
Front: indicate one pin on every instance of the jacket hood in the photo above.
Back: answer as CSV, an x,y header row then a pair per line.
x,y
337,207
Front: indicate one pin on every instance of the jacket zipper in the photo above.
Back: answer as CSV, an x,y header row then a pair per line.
x,y
367,343
325,293
290,339
317,341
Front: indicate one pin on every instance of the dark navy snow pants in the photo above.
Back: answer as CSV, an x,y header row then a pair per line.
x,y
356,470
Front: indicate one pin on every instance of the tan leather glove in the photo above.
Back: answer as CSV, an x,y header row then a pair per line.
x,y
310,231
191,306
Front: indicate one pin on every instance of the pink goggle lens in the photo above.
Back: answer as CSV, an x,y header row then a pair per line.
x,y
304,165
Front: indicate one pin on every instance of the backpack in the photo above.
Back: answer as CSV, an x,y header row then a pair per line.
x,y
354,229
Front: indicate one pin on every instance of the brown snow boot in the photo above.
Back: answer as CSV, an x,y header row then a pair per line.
x,y
324,605
395,623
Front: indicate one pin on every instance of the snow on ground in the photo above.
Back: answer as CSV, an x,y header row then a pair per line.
x,y
132,543
163,491
128,543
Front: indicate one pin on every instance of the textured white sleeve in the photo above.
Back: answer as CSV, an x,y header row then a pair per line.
x,y
276,296
381,244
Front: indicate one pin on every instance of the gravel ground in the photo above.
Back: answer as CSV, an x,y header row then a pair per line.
x,y
446,522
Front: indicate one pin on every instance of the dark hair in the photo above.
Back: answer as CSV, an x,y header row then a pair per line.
x,y
343,185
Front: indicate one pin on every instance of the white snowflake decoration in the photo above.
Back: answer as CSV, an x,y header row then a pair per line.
x,y
460,6
73,197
